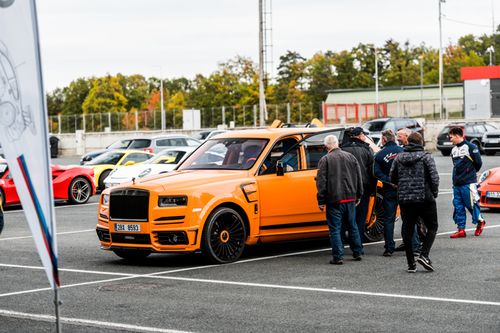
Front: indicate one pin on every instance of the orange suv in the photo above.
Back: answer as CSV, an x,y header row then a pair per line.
x,y
238,189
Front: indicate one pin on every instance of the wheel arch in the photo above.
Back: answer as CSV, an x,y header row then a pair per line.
x,y
238,209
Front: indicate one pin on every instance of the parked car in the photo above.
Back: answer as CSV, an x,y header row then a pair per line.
x,y
261,189
491,141
376,126
165,161
474,132
1,152
107,162
152,145
205,135
70,183
489,188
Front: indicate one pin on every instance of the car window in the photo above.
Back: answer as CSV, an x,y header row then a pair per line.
x,y
3,169
230,153
479,129
121,144
490,127
168,157
315,149
136,157
111,157
192,143
390,125
276,153
140,143
374,126
172,142
400,124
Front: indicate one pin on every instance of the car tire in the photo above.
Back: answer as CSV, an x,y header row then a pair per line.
x,y
102,177
374,230
478,145
490,153
2,198
224,235
446,152
132,255
79,191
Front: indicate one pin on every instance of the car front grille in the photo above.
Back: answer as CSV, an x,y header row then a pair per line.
x,y
103,235
131,238
171,237
493,136
492,201
129,204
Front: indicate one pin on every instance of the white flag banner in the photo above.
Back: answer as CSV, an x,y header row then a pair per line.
x,y
23,125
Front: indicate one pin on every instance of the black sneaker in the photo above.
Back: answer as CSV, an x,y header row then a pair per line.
x,y
387,253
412,268
400,248
426,262
357,257
336,262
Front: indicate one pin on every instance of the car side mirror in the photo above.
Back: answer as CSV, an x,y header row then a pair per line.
x,y
129,163
280,171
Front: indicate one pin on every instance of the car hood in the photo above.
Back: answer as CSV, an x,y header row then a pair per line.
x,y
123,174
186,180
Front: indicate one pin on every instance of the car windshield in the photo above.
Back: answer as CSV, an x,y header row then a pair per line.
x,y
140,143
3,169
111,157
229,154
167,157
374,126
121,144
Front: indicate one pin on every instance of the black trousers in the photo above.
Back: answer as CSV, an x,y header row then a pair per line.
x,y
411,213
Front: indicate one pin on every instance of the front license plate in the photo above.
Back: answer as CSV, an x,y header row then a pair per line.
x,y
128,227
493,194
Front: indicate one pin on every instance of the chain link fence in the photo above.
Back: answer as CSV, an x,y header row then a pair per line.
x,y
211,117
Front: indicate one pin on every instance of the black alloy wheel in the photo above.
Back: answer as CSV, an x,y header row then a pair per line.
x,y
224,235
80,190
375,232
132,255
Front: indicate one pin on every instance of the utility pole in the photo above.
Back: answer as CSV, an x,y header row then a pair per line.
x,y
162,107
262,96
441,111
421,58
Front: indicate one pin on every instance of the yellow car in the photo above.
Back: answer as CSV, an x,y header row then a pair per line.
x,y
109,161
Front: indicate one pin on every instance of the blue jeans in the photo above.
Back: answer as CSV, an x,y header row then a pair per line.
x,y
465,196
336,215
390,205
362,210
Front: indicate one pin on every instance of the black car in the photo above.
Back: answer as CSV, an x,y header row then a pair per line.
x,y
474,132
376,126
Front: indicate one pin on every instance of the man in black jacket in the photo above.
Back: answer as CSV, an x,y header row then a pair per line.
x,y
364,155
339,186
414,172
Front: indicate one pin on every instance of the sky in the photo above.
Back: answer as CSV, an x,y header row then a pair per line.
x,y
174,38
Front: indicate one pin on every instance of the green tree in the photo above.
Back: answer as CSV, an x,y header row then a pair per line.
x,y
106,95
74,96
55,101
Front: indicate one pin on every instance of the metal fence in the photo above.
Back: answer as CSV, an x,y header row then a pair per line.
x,y
211,117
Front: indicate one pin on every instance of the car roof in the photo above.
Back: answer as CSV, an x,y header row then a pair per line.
x,y
271,133
169,136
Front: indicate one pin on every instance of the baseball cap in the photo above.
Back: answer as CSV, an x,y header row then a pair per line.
x,y
357,131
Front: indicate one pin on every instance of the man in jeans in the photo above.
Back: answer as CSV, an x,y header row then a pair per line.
x,y
414,172
340,186
466,162
381,169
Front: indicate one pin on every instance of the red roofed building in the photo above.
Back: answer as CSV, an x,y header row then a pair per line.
x,y
481,92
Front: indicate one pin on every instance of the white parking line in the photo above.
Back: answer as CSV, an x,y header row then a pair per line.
x,y
59,233
102,325
20,210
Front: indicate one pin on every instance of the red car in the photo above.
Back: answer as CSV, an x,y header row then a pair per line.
x,y
489,188
71,183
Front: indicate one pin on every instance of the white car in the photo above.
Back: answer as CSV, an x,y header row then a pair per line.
x,y
165,161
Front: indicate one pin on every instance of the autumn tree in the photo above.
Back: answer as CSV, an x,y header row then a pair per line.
x,y
106,95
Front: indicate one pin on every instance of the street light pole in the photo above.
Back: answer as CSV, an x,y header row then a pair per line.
x,y
262,97
376,83
440,62
421,59
161,106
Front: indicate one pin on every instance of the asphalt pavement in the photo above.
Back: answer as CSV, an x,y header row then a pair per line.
x,y
276,287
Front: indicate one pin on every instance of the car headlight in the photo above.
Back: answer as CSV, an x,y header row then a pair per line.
x,y
144,173
105,199
484,175
172,201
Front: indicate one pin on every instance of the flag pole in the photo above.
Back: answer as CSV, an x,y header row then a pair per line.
x,y
51,212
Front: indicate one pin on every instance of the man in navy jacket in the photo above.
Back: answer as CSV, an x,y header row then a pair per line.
x,y
381,169
466,162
